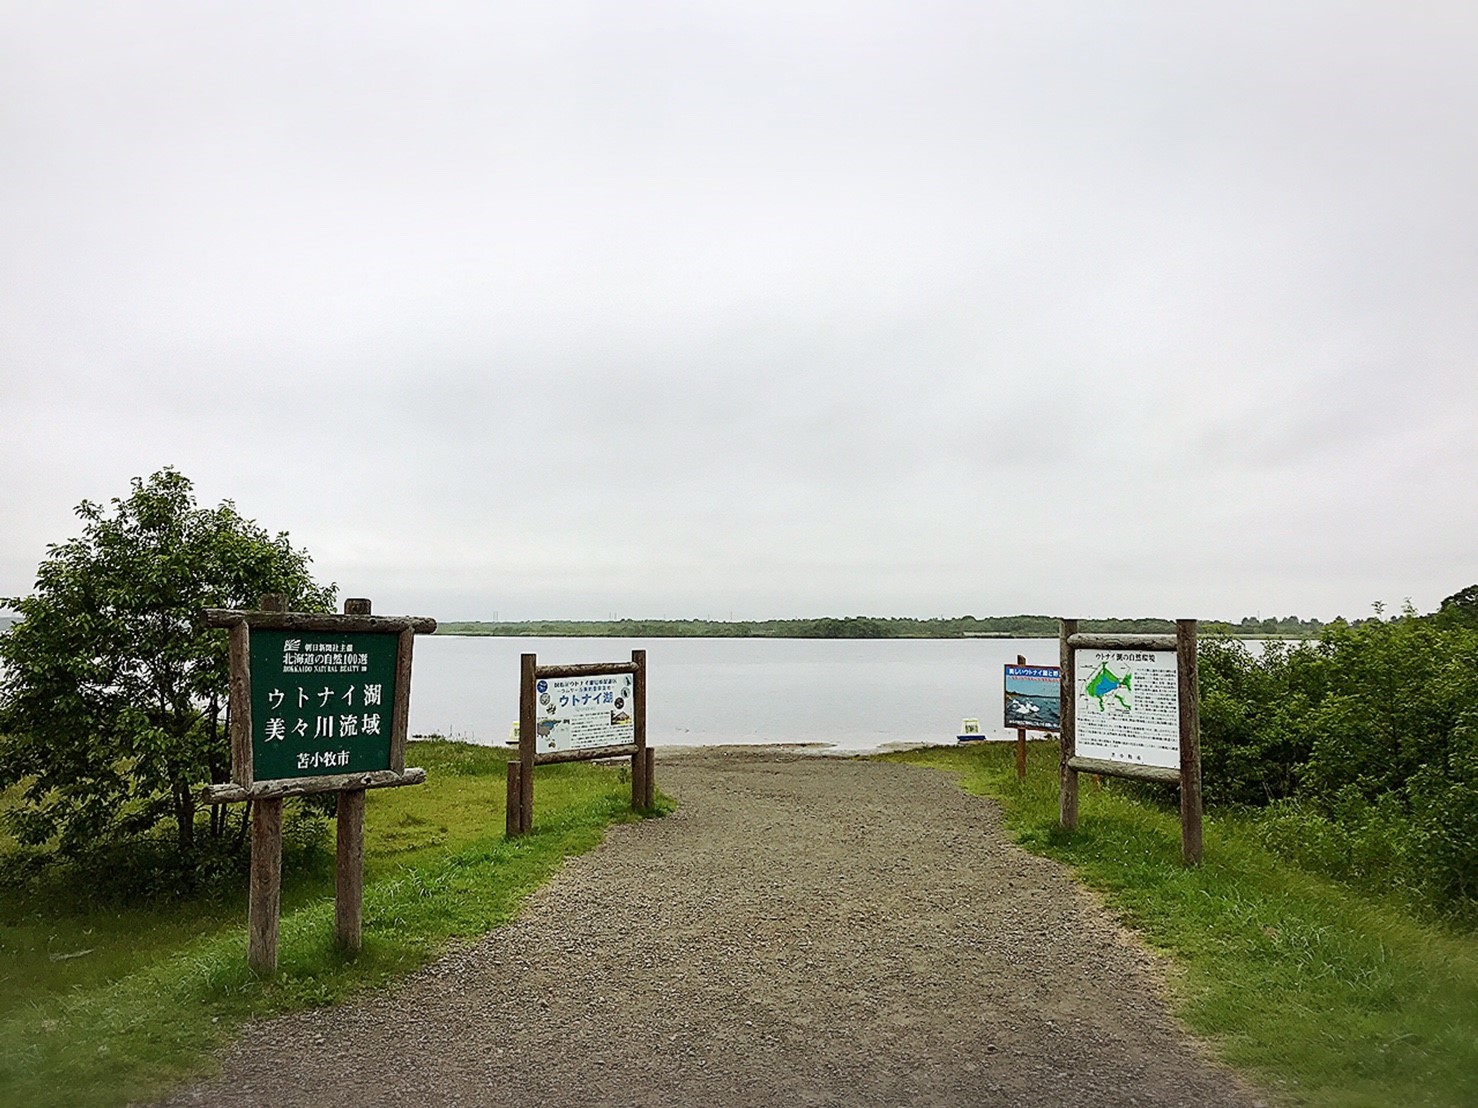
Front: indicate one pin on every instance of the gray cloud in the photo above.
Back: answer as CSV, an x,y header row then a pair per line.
x,y
680,309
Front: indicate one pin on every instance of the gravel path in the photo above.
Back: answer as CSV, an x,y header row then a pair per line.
x,y
802,931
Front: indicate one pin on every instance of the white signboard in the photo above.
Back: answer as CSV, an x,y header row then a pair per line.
x,y
584,713
1128,706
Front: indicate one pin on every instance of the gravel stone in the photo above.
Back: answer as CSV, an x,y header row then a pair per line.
x,y
802,931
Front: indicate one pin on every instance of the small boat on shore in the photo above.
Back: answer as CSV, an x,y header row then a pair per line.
x,y
969,732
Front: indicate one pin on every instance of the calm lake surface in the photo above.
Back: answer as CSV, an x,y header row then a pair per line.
x,y
856,694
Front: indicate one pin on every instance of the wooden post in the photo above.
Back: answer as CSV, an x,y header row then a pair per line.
x,y
527,723
650,779
264,891
638,779
264,900
1021,738
1067,806
349,871
640,766
512,825
1190,741
400,714
349,858
239,639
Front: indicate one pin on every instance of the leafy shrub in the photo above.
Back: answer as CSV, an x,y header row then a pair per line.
x,y
1254,735
152,867
1362,748
112,696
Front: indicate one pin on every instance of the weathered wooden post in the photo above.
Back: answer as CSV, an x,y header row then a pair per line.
x,y
349,857
1188,680
513,806
641,782
527,736
1021,738
1067,804
264,890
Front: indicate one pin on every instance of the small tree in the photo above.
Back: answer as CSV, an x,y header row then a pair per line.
x,y
112,697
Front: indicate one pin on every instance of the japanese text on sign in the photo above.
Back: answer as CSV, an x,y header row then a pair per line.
x,y
1128,706
321,705
584,713
1033,697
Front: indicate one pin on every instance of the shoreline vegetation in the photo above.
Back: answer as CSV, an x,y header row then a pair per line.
x,y
870,627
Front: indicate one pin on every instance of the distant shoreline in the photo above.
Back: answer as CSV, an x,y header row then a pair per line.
x,y
861,627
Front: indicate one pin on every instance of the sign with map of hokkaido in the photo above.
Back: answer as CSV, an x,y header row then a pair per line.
x,y
1127,706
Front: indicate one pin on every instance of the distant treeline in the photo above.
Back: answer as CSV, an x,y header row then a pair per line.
x,y
870,627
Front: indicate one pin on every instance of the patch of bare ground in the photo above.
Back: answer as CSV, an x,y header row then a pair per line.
x,y
802,931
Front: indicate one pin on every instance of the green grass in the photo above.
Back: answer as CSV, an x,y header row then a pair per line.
x,y
160,989
1320,992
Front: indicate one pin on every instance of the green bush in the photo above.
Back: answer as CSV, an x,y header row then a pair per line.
x,y
1360,749
113,696
152,867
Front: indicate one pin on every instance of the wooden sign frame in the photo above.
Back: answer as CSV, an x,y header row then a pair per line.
x,y
1187,775
265,896
520,808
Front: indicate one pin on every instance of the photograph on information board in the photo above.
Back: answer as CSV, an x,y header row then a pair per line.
x,y
1034,697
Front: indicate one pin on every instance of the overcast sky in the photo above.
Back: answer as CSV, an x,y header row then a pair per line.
x,y
758,309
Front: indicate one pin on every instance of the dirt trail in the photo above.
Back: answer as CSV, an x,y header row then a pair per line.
x,y
803,931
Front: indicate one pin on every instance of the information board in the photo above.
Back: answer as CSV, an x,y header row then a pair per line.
x,y
1127,706
584,713
1033,697
321,703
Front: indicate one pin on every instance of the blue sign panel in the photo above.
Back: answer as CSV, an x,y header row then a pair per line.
x,y
1034,697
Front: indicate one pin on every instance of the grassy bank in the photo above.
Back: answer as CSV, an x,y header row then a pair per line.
x,y
102,1007
1328,995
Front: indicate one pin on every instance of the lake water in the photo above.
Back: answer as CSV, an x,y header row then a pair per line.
x,y
856,694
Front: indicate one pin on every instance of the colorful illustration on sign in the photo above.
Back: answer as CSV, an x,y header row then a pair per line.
x,y
584,713
1128,706
321,703
1112,692
1033,698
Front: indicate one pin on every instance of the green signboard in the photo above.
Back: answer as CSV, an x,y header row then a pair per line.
x,y
321,703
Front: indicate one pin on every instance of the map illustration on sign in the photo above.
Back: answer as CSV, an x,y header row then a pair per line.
x,y
1111,691
1127,706
1033,697
584,713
